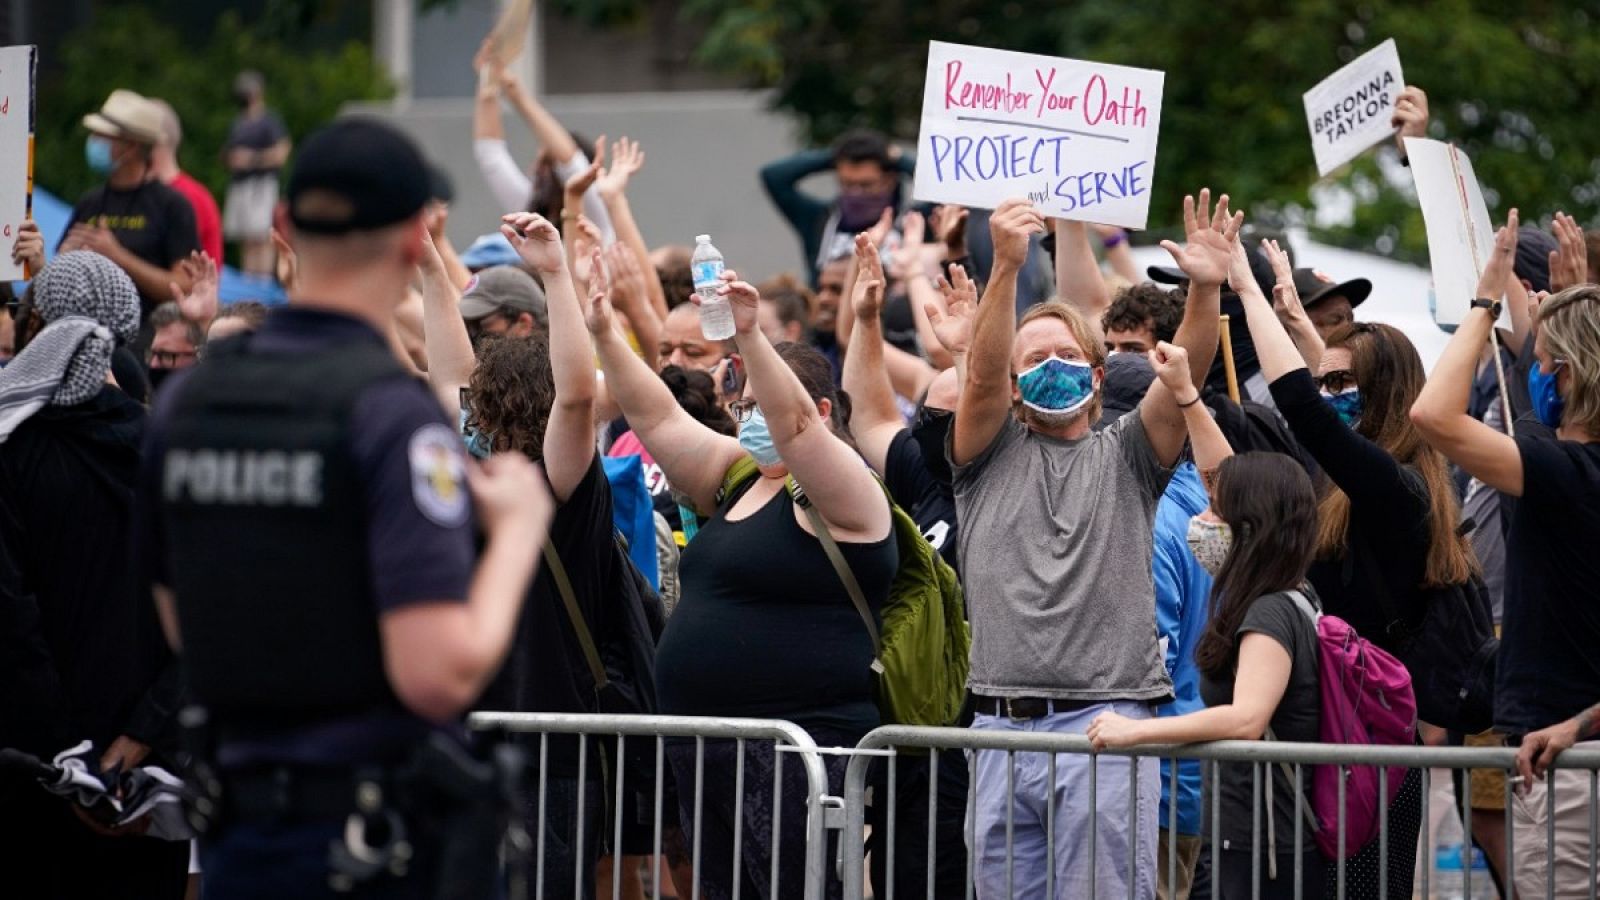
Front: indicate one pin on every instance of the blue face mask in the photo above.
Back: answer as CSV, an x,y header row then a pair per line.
x,y
1548,404
97,153
1347,403
756,440
1057,386
479,442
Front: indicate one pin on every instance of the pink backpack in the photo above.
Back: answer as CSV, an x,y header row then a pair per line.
x,y
1366,699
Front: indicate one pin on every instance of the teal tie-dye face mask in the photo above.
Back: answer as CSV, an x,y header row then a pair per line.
x,y
1347,403
1057,387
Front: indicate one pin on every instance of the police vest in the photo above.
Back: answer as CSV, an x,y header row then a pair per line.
x,y
266,535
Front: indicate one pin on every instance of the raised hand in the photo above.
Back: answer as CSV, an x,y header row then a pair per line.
x,y
628,285
1208,253
535,240
200,303
1285,296
1011,226
868,301
1410,116
583,244
1171,363
950,227
952,325
906,260
627,158
744,299
1569,263
579,184
1492,283
599,315
879,233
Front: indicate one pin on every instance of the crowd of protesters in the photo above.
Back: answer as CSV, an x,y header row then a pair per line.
x,y
1142,552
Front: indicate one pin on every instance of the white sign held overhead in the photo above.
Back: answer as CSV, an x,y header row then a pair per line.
x,y
1077,138
16,150
1460,236
1351,109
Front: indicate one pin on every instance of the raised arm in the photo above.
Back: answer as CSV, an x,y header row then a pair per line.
x,y
1212,239
569,443
1440,411
1119,255
1172,370
911,265
840,487
1078,279
627,158
693,457
844,327
781,179
986,394
951,315
874,418
630,296
1286,303
507,182
444,333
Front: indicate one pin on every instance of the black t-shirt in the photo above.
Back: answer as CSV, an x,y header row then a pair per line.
x,y
546,670
1297,718
931,503
153,221
765,628
1549,667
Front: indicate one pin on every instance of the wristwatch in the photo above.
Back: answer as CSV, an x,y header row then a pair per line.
x,y
1493,306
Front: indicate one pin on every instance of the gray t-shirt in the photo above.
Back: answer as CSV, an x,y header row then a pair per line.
x,y
1055,561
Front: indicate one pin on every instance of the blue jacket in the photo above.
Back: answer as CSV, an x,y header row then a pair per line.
x,y
1183,593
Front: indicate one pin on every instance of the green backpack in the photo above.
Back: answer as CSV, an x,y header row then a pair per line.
x,y
923,654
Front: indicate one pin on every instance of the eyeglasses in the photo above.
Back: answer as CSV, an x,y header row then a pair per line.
x,y
171,359
742,410
1337,381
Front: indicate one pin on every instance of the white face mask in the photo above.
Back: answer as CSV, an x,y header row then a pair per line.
x,y
1210,543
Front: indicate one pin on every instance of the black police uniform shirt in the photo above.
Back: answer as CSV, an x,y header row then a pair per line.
x,y
420,534
1549,669
152,221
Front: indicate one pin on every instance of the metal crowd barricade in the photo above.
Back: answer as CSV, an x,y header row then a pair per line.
x,y
789,740
1262,755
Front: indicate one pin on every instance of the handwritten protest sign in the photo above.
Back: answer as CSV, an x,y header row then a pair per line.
x,y
1351,109
1460,237
1078,138
16,150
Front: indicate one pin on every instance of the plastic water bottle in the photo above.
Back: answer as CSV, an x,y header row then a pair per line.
x,y
1451,881
716,313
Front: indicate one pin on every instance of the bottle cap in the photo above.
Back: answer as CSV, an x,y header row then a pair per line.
x,y
702,239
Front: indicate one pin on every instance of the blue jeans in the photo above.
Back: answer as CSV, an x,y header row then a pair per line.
x,y
1117,857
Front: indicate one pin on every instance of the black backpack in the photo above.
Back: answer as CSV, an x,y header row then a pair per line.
x,y
1451,651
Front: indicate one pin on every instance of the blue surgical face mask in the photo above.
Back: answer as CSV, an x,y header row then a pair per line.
x,y
1548,404
756,440
479,442
1057,387
97,153
1347,403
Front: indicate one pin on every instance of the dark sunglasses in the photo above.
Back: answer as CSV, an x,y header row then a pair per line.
x,y
1337,381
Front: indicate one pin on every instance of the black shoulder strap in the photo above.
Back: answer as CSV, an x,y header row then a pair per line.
x,y
591,653
840,566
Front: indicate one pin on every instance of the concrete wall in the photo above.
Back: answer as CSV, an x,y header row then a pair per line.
x,y
703,152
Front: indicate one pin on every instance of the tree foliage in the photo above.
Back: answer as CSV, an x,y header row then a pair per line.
x,y
1513,84
126,46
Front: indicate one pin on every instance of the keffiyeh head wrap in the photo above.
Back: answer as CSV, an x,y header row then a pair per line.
x,y
87,304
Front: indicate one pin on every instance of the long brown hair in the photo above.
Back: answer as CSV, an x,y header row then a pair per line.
x,y
511,392
1389,374
1269,504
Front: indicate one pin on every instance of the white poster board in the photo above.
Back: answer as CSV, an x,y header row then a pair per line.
x,y
16,150
1460,236
1352,108
1078,138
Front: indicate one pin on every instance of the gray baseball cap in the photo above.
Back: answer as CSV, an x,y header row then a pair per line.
x,y
503,288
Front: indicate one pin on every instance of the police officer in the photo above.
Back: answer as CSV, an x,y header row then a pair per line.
x,y
312,556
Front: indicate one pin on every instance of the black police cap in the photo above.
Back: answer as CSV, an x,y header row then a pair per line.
x,y
356,174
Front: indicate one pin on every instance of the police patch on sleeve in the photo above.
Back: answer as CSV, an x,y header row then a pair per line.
x,y
438,475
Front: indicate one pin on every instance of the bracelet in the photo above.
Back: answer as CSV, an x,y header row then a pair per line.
x,y
1191,402
1116,240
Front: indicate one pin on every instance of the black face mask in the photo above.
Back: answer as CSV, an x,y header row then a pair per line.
x,y
157,376
929,430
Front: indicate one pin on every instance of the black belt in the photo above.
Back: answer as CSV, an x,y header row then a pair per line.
x,y
1019,708
302,794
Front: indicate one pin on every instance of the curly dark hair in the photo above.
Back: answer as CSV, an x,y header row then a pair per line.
x,y
697,394
511,392
1146,304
